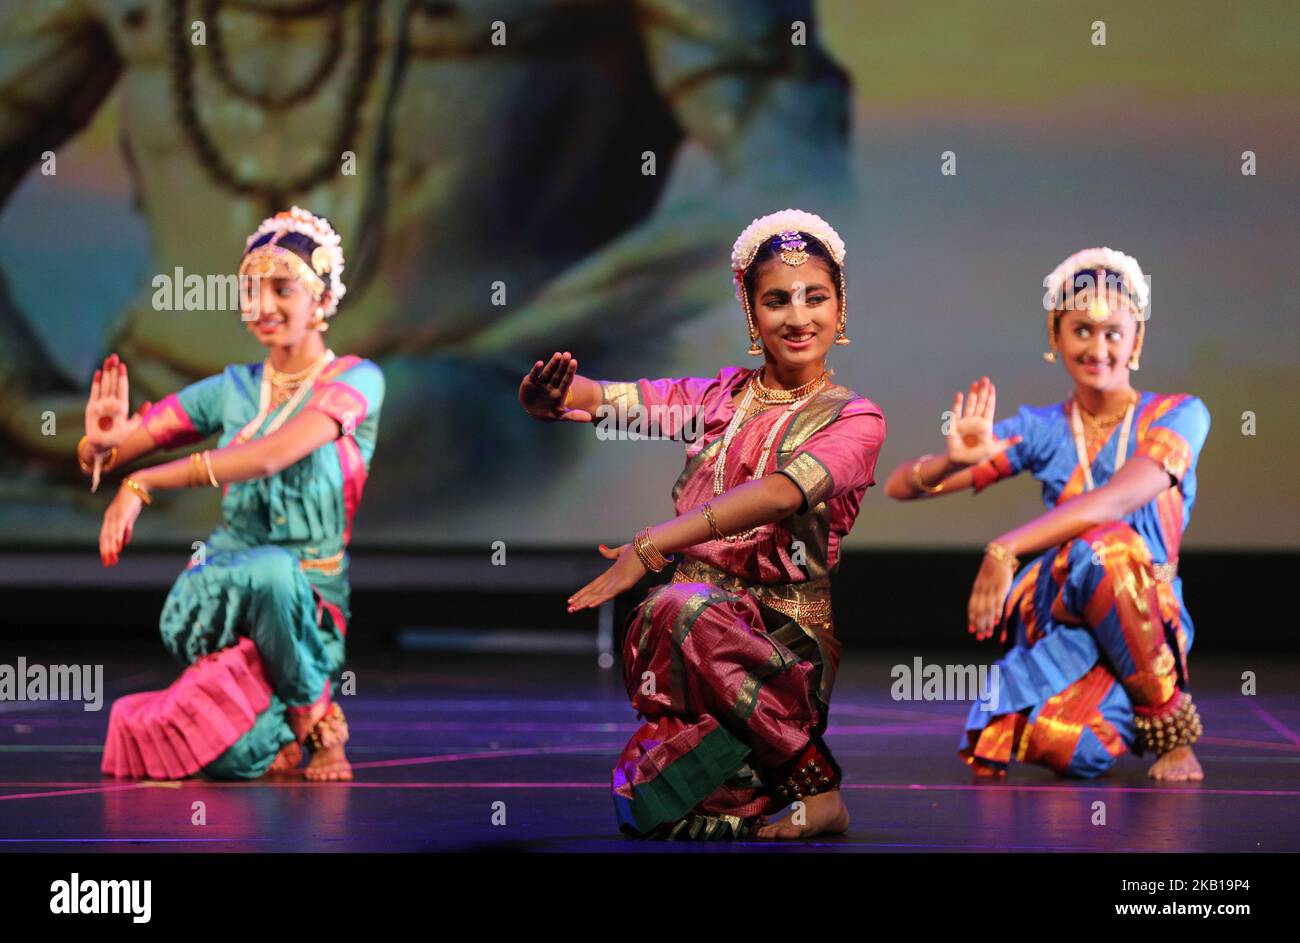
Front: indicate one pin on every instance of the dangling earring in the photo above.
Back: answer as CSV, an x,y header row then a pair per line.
x,y
840,337
1135,358
1050,356
321,324
754,349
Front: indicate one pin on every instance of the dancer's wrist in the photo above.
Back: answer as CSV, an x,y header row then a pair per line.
x,y
927,479
87,452
1000,551
648,551
140,490
146,479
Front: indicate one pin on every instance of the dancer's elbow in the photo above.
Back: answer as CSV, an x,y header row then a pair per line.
x,y
787,497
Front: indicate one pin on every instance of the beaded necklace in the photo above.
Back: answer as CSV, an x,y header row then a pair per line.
x,y
265,401
720,466
1081,449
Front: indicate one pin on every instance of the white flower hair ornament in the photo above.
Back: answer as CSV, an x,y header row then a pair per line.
x,y
787,226
1060,285
326,270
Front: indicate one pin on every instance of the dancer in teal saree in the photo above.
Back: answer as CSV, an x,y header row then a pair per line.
x,y
260,615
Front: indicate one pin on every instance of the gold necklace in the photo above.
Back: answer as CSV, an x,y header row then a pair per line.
x,y
720,463
287,378
285,384
1081,448
769,396
1099,426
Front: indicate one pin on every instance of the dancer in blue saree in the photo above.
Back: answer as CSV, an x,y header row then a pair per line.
x,y
1096,633
260,615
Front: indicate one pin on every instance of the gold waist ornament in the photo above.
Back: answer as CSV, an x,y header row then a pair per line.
x,y
808,603
330,565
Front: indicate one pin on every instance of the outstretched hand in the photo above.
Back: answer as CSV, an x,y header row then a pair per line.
x,y
108,418
971,439
622,576
119,521
545,387
987,597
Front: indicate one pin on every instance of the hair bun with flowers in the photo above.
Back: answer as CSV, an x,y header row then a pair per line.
x,y
326,257
774,224
1087,260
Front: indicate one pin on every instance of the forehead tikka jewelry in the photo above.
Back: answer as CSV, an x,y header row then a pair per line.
x,y
793,249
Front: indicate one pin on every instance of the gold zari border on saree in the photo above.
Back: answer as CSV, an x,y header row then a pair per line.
x,y
808,603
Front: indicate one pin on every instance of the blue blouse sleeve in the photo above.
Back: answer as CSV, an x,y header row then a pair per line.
x,y
1029,453
1174,434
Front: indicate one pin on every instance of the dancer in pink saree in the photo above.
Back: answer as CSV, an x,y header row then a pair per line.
x,y
732,663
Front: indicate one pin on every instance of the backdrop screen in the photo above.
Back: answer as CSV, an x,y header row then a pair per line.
x,y
571,176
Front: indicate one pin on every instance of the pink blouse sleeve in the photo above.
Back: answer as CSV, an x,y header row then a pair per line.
x,y
350,397
841,458
186,417
661,408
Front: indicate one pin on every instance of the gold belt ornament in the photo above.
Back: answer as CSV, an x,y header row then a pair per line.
x,y
330,566
808,603
808,612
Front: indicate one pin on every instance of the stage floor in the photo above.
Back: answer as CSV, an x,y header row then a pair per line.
x,y
438,740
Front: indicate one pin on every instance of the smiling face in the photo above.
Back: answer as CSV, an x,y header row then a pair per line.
x,y
1096,354
278,309
797,309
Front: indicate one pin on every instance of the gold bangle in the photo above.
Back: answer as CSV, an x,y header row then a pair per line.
x,y
139,489
648,553
112,457
916,477
1002,555
207,463
80,442
192,471
714,532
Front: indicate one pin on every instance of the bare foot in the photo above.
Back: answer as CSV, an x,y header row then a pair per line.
x,y
819,815
329,765
1178,765
286,761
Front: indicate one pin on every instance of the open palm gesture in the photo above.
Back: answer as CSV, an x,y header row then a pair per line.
x,y
544,388
970,436
108,410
